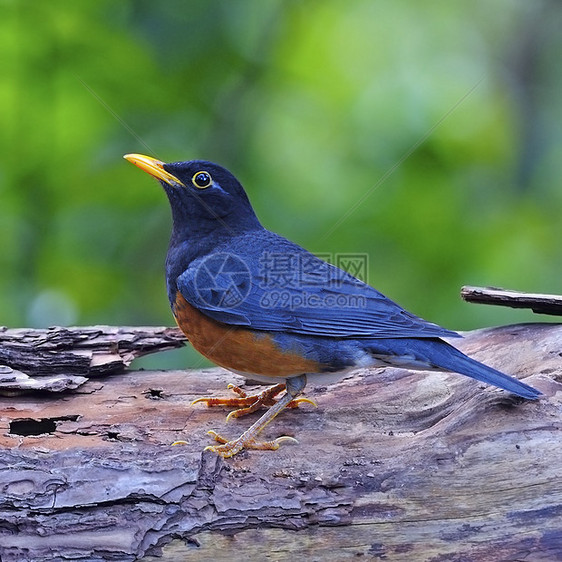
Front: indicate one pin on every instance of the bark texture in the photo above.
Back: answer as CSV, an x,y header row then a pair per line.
x,y
537,302
60,359
392,465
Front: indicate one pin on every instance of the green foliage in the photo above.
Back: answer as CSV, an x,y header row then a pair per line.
x,y
425,134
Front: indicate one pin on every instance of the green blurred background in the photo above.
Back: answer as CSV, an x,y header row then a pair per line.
x,y
426,134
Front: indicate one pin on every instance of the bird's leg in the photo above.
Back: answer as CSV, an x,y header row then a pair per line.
x,y
249,404
247,440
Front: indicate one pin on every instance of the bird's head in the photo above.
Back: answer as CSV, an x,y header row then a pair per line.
x,y
204,197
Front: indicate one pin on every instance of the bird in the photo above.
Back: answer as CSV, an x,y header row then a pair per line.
x,y
264,307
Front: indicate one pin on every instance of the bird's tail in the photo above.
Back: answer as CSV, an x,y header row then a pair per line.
x,y
438,354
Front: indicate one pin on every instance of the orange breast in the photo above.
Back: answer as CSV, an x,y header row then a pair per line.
x,y
237,348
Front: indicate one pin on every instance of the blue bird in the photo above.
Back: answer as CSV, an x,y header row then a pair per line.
x,y
266,308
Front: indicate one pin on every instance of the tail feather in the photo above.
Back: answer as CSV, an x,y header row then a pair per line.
x,y
450,358
439,354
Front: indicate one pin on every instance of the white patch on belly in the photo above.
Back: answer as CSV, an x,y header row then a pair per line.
x,y
363,360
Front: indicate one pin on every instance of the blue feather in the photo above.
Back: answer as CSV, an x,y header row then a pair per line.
x,y
358,310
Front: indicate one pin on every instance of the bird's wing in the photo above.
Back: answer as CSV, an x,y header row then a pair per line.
x,y
322,301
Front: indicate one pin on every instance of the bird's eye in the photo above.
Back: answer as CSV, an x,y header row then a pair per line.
x,y
202,180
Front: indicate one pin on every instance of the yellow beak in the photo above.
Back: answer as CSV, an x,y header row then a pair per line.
x,y
154,167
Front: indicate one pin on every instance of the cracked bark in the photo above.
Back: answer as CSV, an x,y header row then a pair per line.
x,y
60,359
393,464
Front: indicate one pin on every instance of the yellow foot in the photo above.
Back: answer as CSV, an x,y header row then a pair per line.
x,y
248,440
230,448
248,404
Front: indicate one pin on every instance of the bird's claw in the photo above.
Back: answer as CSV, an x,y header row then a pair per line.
x,y
297,401
228,448
247,404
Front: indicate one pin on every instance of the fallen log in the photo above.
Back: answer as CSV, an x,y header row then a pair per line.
x,y
392,465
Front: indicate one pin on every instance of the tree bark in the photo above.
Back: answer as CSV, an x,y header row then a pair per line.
x,y
60,359
537,302
392,465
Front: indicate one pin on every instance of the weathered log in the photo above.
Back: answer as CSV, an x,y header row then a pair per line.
x,y
61,359
537,302
392,465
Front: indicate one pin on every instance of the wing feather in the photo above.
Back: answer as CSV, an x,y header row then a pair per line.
x,y
331,303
